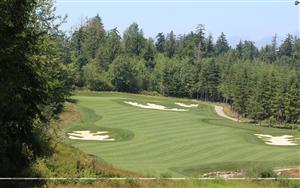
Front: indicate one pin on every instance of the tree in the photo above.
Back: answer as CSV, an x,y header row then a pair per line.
x,y
170,45
172,82
240,90
209,47
221,46
200,41
110,50
249,50
278,109
94,36
239,49
209,80
134,41
292,103
148,53
95,79
259,101
34,77
160,43
286,47
125,75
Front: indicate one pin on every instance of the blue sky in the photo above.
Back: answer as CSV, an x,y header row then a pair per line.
x,y
249,20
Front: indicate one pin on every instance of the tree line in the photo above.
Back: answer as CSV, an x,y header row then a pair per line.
x,y
262,84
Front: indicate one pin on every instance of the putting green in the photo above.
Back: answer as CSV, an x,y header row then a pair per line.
x,y
154,142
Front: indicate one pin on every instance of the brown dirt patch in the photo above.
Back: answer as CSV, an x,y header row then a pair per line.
x,y
228,111
70,114
292,173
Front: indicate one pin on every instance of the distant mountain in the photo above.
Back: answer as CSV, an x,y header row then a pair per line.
x,y
234,40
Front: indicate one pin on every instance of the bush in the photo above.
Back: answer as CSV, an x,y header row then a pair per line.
x,y
150,93
166,175
259,171
133,182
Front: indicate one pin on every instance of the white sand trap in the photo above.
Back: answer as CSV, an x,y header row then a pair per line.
x,y
220,112
284,140
154,106
186,105
87,135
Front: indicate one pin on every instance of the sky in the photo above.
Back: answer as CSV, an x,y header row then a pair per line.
x,y
251,20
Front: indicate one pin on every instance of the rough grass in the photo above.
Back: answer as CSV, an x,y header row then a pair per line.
x,y
228,111
130,183
153,142
68,161
69,114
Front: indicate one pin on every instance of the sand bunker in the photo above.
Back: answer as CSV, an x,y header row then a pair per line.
x,y
220,112
186,105
284,140
87,135
154,106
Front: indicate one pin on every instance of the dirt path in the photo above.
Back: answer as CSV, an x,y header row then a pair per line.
x,y
220,112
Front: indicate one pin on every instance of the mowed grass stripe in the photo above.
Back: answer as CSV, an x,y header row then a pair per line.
x,y
192,136
167,140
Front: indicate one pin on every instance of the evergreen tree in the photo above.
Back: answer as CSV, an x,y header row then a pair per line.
x,y
249,50
292,103
209,47
148,53
209,80
239,49
94,36
110,50
170,45
222,45
160,43
34,76
134,41
286,48
200,42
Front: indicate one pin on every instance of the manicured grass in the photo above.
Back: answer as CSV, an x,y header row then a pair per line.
x,y
154,142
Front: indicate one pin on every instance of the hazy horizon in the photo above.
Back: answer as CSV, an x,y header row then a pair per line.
x,y
243,20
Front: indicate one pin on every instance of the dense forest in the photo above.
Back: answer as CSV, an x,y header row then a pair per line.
x,y
261,84
40,66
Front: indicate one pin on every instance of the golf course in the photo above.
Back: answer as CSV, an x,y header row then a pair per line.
x,y
174,139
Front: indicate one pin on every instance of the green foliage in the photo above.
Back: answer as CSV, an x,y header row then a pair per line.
x,y
35,81
160,43
95,79
134,41
252,81
209,79
126,74
170,45
260,171
221,45
110,50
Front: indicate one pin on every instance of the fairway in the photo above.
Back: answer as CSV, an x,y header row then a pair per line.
x,y
180,143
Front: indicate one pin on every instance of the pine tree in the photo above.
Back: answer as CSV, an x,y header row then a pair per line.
x,y
221,46
292,103
110,49
170,45
200,41
160,43
94,36
286,48
209,47
148,53
134,41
